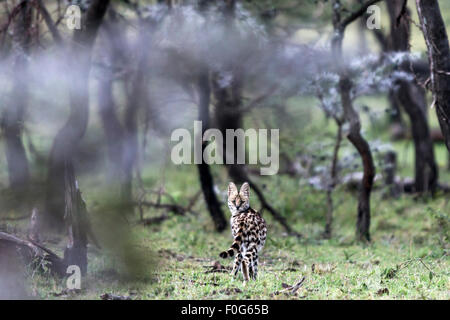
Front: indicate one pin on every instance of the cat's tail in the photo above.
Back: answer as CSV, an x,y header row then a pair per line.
x,y
235,246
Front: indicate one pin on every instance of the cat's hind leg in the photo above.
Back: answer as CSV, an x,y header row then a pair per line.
x,y
237,264
245,269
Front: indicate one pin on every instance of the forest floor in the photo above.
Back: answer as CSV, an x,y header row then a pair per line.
x,y
407,258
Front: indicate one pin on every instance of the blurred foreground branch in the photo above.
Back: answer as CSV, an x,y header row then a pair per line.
x,y
31,253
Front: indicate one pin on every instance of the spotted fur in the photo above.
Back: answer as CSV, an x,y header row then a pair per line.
x,y
249,232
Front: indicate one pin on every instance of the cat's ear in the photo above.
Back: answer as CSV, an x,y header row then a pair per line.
x,y
245,190
232,189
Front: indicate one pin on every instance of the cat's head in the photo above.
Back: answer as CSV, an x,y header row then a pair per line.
x,y
238,201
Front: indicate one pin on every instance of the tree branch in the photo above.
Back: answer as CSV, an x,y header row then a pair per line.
x,y
355,15
49,22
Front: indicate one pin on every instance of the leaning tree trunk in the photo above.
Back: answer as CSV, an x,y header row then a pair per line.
x,y
358,141
206,178
67,139
13,116
436,39
352,118
412,97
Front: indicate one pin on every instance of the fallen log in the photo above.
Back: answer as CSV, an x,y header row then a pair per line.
x,y
32,254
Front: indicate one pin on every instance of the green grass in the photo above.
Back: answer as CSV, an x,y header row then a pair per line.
x,y
407,259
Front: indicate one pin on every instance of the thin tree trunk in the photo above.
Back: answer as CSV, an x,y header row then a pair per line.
x,y
206,178
352,118
390,169
330,188
355,137
67,139
13,117
436,39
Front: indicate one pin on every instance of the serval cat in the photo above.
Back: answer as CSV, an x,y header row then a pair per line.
x,y
249,232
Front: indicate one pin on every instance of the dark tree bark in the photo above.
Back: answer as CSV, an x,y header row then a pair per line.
x,y
358,141
76,220
395,115
399,26
13,117
352,118
436,39
206,178
67,139
412,98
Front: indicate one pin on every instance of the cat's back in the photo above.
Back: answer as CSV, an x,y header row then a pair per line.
x,y
251,219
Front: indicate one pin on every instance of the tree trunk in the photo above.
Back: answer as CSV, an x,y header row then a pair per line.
x,y
67,139
333,177
13,117
412,98
76,220
229,116
355,137
390,169
352,118
436,39
206,178
114,132
395,116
